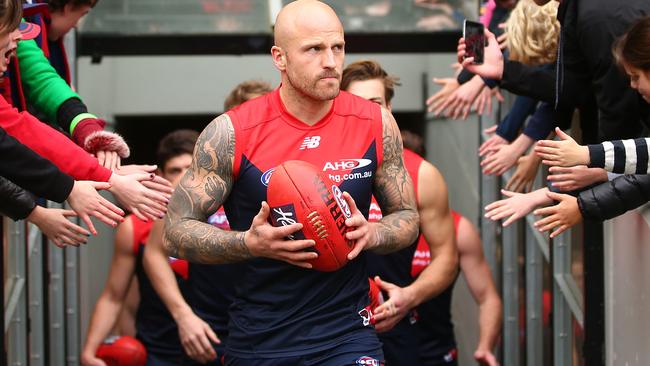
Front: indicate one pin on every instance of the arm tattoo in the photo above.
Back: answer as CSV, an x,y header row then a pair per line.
x,y
201,191
394,192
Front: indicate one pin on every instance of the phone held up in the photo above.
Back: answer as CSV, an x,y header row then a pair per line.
x,y
474,35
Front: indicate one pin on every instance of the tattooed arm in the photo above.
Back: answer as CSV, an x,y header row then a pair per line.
x,y
394,192
393,189
203,189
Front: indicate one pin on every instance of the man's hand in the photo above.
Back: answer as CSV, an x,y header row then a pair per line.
x,y
363,233
524,177
494,140
483,102
492,67
499,159
484,357
54,224
575,177
459,103
393,310
566,152
265,240
449,85
197,337
86,202
561,216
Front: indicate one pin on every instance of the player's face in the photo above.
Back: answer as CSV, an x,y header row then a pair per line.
x,y
8,44
64,20
176,167
639,80
372,90
314,59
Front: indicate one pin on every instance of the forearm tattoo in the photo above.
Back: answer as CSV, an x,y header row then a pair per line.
x,y
201,191
394,192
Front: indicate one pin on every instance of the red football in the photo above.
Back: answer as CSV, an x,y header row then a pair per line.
x,y
300,192
122,351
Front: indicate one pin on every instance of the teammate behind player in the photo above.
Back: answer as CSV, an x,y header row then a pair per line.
x,y
435,326
369,80
284,312
155,327
202,324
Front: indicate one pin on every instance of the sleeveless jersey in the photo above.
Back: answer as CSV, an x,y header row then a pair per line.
x,y
435,328
396,267
154,325
281,310
400,344
210,288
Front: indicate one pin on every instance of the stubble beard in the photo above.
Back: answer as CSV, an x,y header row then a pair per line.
x,y
311,89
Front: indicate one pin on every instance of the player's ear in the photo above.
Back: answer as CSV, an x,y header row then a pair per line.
x,y
279,58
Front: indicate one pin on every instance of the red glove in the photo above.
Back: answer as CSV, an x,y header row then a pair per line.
x,y
90,135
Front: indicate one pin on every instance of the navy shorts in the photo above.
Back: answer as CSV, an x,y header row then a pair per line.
x,y
346,354
158,360
401,344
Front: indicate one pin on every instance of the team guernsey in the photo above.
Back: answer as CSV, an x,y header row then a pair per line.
x,y
400,344
281,310
154,325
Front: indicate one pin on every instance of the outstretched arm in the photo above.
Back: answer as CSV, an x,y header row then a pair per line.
x,y
393,189
203,189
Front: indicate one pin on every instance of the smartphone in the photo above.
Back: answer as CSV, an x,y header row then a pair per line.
x,y
474,35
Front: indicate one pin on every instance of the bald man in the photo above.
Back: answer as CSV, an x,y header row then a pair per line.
x,y
284,312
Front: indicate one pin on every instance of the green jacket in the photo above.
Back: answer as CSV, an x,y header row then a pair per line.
x,y
44,89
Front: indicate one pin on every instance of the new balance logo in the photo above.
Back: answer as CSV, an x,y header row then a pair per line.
x,y
310,142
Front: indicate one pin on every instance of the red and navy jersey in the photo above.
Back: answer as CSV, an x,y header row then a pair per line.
x,y
396,267
400,343
435,328
154,325
281,310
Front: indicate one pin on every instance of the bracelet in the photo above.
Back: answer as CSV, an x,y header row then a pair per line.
x,y
79,118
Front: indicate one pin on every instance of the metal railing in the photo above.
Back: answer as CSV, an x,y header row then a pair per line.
x,y
518,248
41,298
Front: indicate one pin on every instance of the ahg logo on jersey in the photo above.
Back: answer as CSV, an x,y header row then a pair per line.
x,y
310,142
346,164
286,215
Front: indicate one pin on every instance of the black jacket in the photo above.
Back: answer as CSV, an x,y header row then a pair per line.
x,y
15,202
615,197
29,170
589,28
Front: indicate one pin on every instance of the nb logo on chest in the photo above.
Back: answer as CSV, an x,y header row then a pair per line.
x,y
310,142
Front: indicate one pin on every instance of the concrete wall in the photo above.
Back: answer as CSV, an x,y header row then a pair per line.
x,y
627,289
